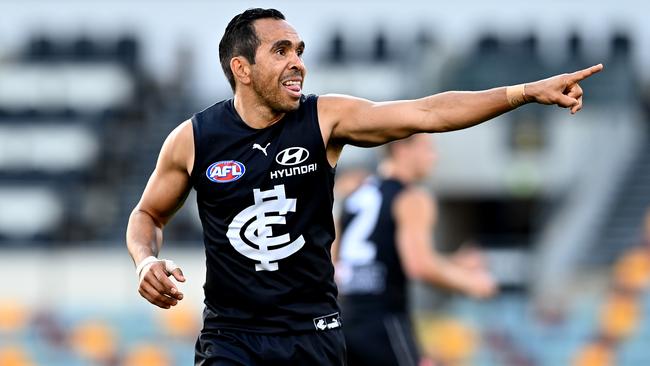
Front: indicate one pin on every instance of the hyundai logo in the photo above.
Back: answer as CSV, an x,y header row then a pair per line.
x,y
292,156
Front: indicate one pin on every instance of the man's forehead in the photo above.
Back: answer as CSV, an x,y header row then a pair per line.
x,y
271,30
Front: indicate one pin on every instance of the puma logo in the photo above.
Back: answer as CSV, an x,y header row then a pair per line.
x,y
260,148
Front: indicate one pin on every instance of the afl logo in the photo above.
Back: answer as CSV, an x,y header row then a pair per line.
x,y
225,171
292,156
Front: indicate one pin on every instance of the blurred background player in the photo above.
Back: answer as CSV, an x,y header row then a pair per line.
x,y
385,241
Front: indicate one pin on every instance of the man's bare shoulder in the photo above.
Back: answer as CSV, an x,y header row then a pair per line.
x,y
184,133
178,148
415,204
414,195
340,110
331,104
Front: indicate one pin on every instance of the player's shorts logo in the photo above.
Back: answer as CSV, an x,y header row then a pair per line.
x,y
292,156
330,321
251,231
225,171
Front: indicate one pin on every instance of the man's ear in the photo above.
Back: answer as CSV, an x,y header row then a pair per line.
x,y
241,69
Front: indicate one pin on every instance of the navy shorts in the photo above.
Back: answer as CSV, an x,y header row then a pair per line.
x,y
230,348
382,340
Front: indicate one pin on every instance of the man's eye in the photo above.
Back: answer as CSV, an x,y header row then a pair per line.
x,y
280,51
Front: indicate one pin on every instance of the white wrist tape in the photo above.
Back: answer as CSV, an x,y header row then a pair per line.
x,y
516,95
169,264
145,262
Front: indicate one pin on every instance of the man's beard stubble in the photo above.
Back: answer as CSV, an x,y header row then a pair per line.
x,y
272,98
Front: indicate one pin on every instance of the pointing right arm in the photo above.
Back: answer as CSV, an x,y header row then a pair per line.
x,y
164,194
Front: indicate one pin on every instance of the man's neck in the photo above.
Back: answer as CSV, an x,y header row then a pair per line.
x,y
255,114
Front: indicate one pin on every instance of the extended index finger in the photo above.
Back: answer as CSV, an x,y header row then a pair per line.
x,y
585,73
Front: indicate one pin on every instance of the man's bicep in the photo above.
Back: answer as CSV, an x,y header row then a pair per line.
x,y
169,183
164,194
362,122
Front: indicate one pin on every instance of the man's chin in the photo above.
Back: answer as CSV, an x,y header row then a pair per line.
x,y
284,104
291,106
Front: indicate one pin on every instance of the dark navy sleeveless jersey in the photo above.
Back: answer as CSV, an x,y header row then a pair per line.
x,y
371,279
265,202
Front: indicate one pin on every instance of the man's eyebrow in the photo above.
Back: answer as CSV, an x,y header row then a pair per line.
x,y
287,43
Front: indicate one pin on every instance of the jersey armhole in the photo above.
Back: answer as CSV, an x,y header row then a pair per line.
x,y
313,110
194,177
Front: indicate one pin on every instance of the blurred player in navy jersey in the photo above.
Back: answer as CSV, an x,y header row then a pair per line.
x,y
385,241
262,164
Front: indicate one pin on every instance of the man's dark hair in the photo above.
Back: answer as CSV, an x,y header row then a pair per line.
x,y
240,38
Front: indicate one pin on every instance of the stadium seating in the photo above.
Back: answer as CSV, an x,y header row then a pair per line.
x,y
71,337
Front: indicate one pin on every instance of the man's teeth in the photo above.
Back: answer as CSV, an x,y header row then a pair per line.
x,y
289,83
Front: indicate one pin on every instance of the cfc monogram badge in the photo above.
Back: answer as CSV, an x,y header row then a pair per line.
x,y
269,209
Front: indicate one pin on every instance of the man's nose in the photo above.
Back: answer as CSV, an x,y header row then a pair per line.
x,y
297,63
